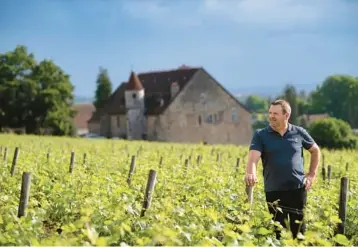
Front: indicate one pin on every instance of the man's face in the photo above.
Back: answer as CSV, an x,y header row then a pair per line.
x,y
276,116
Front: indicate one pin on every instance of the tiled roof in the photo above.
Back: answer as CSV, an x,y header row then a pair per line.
x,y
84,113
157,85
134,82
157,90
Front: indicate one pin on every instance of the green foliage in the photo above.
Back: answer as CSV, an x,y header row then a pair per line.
x,y
333,133
259,124
17,88
303,103
104,88
34,95
338,96
204,204
256,104
290,95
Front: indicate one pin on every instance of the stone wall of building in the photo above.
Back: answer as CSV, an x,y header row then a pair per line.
x,y
204,111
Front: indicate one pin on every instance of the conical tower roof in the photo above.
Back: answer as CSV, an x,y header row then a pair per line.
x,y
134,82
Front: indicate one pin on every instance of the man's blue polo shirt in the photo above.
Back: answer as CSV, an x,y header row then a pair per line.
x,y
282,156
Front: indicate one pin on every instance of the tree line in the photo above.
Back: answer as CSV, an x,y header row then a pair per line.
x,y
37,97
337,97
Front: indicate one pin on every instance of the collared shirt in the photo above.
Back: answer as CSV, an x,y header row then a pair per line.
x,y
282,156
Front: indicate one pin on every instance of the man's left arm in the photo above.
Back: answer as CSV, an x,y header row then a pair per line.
x,y
315,159
310,145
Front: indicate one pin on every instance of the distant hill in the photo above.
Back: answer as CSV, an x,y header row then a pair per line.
x,y
269,90
83,99
241,93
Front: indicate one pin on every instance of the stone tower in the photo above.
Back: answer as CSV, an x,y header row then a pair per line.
x,y
134,103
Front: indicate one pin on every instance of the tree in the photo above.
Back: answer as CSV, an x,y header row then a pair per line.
x,y
53,105
256,104
337,96
17,89
34,96
333,133
104,88
302,103
290,95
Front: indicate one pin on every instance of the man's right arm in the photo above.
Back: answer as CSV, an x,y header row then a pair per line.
x,y
256,148
251,174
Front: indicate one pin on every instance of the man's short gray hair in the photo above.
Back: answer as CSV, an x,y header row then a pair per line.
x,y
286,108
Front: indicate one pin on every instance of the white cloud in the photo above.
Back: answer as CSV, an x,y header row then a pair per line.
x,y
277,14
161,13
271,14
145,9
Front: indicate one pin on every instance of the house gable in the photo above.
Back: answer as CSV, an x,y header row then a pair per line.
x,y
204,83
228,93
205,112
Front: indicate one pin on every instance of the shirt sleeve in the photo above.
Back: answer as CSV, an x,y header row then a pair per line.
x,y
307,140
256,142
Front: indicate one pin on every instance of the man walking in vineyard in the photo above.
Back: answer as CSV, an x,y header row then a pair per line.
x,y
280,147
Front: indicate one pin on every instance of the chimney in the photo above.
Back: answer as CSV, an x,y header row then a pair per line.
x,y
174,89
183,66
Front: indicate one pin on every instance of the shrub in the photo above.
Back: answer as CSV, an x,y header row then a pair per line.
x,y
333,133
259,124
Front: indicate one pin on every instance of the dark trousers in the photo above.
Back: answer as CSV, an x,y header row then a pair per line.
x,y
292,204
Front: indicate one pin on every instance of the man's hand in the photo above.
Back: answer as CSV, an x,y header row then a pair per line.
x,y
308,181
250,179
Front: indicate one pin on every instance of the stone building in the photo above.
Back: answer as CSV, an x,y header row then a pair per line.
x,y
185,105
84,112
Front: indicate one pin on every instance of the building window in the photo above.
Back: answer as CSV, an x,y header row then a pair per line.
x,y
118,122
216,119
199,120
209,118
134,95
234,115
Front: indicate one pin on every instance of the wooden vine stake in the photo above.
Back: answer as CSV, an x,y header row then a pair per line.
x,y
84,158
149,191
131,170
218,158
24,194
198,160
329,173
14,161
161,162
343,204
72,162
5,154
237,167
186,165
250,193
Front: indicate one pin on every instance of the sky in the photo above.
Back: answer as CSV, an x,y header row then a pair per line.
x,y
242,43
